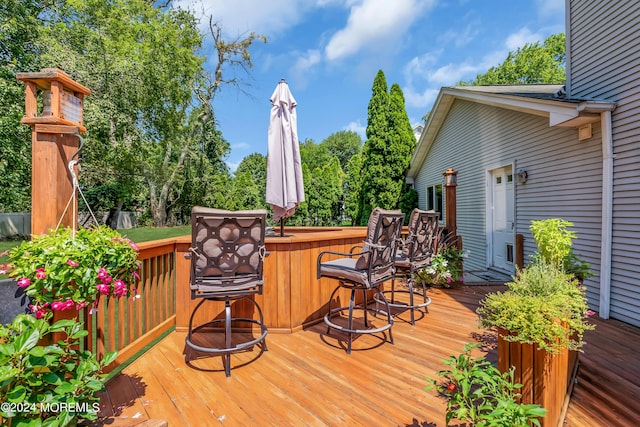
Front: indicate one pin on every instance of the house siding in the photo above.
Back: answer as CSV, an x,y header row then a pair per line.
x,y
605,65
565,177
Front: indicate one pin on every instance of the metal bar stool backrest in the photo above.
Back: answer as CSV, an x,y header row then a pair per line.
x,y
227,257
423,236
383,235
228,251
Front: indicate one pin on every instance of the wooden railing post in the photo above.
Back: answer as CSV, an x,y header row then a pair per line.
x,y
183,295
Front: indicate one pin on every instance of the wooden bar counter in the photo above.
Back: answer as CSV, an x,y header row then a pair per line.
x,y
292,296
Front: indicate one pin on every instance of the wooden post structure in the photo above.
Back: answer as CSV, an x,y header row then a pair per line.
x,y
450,183
54,141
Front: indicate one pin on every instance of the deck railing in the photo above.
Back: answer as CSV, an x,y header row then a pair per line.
x,y
128,325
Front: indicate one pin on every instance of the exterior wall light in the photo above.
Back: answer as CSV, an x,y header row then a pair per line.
x,y
522,176
450,177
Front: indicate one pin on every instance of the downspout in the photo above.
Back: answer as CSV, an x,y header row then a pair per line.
x,y
607,214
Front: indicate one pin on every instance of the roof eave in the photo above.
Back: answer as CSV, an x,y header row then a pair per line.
x,y
560,113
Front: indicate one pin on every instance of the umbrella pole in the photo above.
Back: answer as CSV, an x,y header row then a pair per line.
x,y
281,227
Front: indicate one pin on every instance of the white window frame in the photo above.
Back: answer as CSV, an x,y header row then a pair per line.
x,y
432,200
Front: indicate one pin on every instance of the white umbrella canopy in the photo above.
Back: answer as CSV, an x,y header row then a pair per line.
x,y
285,187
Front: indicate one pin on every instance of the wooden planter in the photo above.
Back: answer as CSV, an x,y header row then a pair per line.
x,y
547,379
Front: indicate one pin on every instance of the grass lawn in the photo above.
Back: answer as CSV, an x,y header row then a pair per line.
x,y
140,234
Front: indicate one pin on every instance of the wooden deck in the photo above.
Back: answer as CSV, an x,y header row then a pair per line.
x,y
305,378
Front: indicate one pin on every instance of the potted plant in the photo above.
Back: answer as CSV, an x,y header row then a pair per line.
x,y
69,270
47,385
444,269
478,393
541,320
555,245
544,306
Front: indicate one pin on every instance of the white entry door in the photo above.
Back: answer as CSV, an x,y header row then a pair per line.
x,y
502,223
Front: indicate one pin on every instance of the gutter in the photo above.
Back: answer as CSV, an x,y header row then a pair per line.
x,y
607,215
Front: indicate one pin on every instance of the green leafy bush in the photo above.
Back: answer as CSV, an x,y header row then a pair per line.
x,y
65,270
477,392
555,246
543,306
47,385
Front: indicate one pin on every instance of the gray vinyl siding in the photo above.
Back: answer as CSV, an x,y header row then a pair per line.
x,y
604,64
565,177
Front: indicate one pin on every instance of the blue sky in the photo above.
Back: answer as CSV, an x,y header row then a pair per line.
x,y
329,51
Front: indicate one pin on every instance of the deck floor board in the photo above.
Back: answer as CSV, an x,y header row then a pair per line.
x,y
306,378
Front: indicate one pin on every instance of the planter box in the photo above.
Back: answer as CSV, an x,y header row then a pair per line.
x,y
547,379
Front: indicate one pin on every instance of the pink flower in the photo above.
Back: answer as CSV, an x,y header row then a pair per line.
x,y
134,246
120,289
104,276
24,282
590,313
38,310
136,275
81,305
3,268
72,263
94,309
62,305
40,274
103,288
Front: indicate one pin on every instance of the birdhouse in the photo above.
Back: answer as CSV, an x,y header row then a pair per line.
x,y
52,97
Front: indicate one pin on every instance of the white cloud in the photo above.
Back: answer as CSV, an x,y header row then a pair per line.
x,y
232,166
522,37
417,68
459,37
373,24
422,99
358,128
303,67
548,8
242,16
240,146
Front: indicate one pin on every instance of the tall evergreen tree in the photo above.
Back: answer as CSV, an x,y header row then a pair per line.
x,y
387,151
375,177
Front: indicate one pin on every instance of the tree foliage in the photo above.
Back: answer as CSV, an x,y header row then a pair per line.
x,y
344,145
152,137
250,182
532,64
387,151
352,188
323,179
19,26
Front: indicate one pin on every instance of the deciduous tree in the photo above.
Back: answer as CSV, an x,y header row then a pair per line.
x,y
19,28
534,63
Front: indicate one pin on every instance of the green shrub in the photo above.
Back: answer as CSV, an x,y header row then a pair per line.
x,y
543,306
50,385
477,392
555,242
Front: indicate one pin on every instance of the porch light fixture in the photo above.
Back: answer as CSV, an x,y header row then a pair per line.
x,y
522,176
450,177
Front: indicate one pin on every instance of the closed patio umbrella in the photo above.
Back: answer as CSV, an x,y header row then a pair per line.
x,y
285,188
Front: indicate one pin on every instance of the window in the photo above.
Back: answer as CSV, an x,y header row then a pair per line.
x,y
434,198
